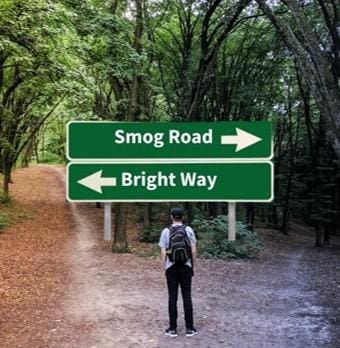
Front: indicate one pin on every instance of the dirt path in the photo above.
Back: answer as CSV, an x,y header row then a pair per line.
x,y
286,298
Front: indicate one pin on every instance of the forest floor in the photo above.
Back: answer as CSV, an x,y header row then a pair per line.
x,y
61,286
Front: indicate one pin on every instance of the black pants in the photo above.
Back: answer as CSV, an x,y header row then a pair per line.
x,y
180,275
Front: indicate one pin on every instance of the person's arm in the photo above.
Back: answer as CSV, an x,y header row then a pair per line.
x,y
191,235
163,245
163,257
193,252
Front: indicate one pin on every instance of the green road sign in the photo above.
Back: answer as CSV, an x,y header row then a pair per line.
x,y
150,182
92,141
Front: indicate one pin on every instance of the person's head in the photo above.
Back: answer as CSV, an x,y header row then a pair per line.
x,y
176,214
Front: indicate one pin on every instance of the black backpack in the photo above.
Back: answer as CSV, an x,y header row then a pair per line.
x,y
179,250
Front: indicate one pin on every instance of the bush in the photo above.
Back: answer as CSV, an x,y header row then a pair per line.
x,y
4,199
3,222
51,158
151,233
213,242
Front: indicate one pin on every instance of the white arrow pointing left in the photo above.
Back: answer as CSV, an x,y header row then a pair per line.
x,y
95,181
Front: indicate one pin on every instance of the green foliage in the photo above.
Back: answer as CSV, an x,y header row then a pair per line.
x,y
3,222
51,158
212,235
52,146
39,68
84,54
11,212
151,233
4,199
213,242
151,251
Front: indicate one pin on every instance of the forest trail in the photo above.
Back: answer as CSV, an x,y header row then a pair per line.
x,y
88,297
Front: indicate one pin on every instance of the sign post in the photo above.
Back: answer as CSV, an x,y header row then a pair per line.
x,y
107,221
231,221
156,162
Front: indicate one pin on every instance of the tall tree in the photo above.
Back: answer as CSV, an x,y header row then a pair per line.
x,y
134,110
31,74
203,29
317,54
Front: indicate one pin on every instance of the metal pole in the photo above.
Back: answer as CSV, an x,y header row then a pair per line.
x,y
231,221
107,221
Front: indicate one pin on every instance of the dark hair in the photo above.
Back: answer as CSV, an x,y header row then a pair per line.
x,y
177,213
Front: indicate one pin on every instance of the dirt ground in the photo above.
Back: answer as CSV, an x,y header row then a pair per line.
x,y
61,286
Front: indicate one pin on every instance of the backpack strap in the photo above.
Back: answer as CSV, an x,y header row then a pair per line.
x,y
171,229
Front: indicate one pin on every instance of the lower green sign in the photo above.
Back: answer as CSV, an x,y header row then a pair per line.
x,y
152,182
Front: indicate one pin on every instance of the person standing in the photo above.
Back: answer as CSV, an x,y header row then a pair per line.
x,y
178,254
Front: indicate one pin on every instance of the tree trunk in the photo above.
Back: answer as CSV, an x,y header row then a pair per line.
x,y
214,209
136,81
250,216
285,217
120,234
273,218
190,212
224,208
120,244
337,205
28,153
7,168
147,212
318,236
292,146
327,234
210,45
36,151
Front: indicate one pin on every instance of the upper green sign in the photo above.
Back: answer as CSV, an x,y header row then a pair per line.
x,y
92,140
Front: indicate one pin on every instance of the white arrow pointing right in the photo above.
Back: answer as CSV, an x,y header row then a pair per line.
x,y
242,140
95,181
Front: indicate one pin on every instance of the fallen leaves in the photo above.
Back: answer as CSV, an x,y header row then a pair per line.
x,y
60,285
32,271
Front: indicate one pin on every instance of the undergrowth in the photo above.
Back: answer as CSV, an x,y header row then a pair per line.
x,y
3,221
213,239
151,233
212,235
11,212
